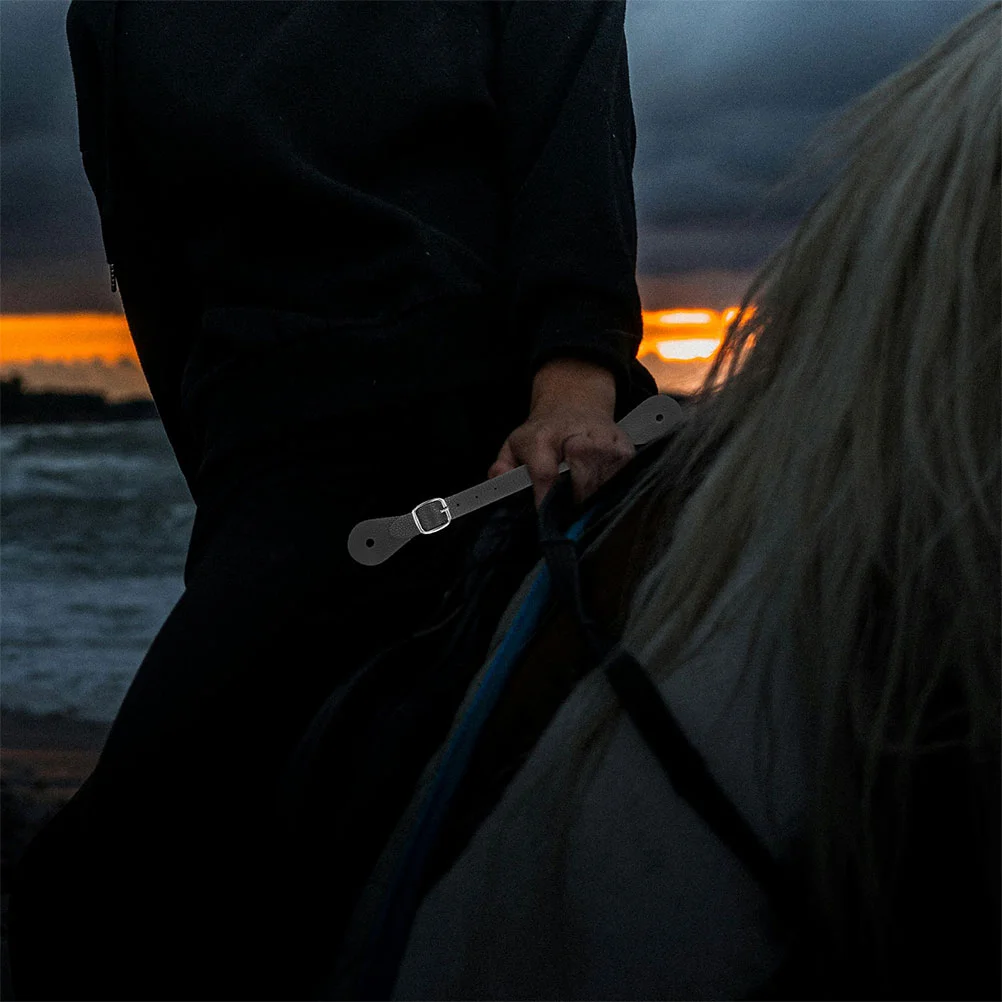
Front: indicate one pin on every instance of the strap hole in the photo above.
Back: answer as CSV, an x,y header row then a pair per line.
x,y
370,543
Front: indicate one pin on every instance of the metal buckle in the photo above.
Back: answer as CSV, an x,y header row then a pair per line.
x,y
445,511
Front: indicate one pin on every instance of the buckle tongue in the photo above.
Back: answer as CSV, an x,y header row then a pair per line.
x,y
432,516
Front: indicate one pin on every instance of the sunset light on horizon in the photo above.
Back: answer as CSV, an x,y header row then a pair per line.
x,y
685,335
64,337
66,350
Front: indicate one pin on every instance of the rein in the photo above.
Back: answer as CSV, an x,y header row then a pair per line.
x,y
552,643
651,715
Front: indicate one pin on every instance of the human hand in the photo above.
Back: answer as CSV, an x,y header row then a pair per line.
x,y
571,419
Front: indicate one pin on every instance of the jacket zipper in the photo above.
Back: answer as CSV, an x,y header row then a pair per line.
x,y
114,281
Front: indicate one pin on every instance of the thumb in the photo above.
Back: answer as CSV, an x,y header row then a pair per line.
x,y
504,462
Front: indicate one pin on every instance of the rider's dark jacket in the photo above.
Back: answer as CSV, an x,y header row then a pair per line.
x,y
345,205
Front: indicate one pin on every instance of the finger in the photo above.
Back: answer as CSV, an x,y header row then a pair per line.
x,y
588,462
612,445
541,486
593,462
579,454
506,461
541,455
591,471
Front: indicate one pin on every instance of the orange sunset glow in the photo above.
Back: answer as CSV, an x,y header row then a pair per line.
x,y
679,345
68,350
72,352
685,335
64,337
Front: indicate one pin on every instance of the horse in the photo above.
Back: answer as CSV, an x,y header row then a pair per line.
x,y
806,576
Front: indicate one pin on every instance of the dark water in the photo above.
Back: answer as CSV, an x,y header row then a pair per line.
x,y
94,524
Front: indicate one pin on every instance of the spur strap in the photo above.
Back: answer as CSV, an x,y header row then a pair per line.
x,y
376,539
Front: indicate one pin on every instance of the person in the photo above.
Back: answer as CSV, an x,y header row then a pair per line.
x,y
820,614
369,254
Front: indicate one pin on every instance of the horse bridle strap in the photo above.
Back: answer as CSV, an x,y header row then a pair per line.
x,y
375,539
685,767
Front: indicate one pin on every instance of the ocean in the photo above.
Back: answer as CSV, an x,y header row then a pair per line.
x,y
94,526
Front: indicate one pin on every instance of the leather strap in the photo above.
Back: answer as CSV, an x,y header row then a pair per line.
x,y
651,714
376,539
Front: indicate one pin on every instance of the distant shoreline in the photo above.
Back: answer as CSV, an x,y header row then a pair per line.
x,y
20,406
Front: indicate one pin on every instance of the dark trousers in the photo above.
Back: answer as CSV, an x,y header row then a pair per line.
x,y
165,876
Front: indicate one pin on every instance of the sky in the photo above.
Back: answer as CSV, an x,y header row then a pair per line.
x,y
725,91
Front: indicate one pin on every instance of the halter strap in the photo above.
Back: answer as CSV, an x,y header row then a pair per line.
x,y
681,761
374,540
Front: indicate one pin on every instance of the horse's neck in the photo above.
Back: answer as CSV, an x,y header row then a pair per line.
x,y
611,570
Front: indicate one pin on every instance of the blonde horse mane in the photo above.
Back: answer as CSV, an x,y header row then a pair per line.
x,y
851,427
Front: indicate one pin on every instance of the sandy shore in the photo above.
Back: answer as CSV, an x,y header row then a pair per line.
x,y
19,730
50,755
43,760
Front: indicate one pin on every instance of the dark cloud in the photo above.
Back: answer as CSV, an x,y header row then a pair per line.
x,y
36,81
696,246
52,256
725,92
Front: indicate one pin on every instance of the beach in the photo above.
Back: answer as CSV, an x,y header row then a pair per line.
x,y
43,760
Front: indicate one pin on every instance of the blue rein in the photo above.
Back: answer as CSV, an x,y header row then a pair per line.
x,y
389,936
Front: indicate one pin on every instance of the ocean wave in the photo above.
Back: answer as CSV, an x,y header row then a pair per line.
x,y
122,461
96,520
73,646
